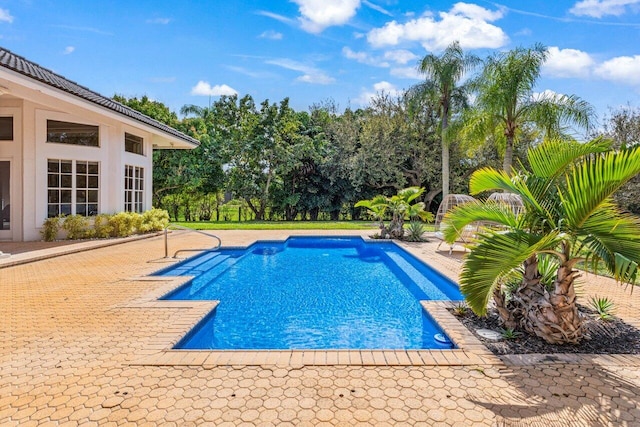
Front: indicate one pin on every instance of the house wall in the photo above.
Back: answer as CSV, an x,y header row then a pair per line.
x,y
29,153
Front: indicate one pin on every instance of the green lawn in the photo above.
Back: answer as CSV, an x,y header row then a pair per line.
x,y
280,225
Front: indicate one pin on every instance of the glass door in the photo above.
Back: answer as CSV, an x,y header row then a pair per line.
x,y
5,199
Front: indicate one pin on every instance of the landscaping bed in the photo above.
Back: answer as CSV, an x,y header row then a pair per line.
x,y
602,337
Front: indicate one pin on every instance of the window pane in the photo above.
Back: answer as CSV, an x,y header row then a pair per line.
x,y
93,196
93,209
53,166
52,210
81,210
72,133
65,181
81,196
53,196
93,182
81,181
81,167
6,128
53,180
93,168
65,196
132,143
65,209
65,166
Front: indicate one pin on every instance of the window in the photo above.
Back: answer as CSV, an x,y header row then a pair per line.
x,y
72,133
133,144
133,188
65,198
6,128
86,188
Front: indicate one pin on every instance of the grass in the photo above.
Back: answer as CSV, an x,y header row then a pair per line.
x,y
280,225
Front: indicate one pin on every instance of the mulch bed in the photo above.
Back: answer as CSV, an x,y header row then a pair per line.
x,y
601,337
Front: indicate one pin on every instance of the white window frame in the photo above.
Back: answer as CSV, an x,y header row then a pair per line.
x,y
134,188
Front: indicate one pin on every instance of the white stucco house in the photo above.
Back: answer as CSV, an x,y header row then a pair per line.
x,y
65,149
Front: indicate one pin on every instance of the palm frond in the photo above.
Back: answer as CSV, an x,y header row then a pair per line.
x,y
593,181
552,157
493,257
463,215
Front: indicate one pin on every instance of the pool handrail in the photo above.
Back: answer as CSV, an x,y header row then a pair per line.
x,y
175,255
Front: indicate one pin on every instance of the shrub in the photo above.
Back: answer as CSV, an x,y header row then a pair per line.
x,y
123,224
102,227
603,306
415,231
50,228
77,227
154,220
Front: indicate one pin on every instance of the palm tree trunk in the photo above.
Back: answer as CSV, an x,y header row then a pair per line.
x,y
508,155
445,156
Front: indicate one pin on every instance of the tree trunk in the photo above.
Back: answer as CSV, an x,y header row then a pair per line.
x,y
507,163
445,158
551,316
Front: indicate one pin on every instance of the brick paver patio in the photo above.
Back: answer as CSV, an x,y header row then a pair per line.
x,y
78,340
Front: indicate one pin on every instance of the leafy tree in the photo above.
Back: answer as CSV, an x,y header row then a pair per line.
x,y
506,101
569,216
441,86
623,127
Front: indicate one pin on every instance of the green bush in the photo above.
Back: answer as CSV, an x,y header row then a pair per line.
x,y
154,220
77,227
50,228
123,224
102,227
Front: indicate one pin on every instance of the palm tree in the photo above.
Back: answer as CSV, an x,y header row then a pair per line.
x,y
569,217
506,101
401,208
442,75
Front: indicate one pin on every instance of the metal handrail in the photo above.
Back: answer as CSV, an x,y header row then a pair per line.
x,y
166,240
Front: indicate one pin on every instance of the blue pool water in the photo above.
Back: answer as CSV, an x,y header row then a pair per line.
x,y
313,293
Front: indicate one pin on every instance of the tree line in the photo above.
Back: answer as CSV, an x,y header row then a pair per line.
x,y
278,163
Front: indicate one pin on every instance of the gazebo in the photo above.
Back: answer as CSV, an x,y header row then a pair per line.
x,y
447,204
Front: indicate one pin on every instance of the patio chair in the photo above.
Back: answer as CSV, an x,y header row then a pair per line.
x,y
448,203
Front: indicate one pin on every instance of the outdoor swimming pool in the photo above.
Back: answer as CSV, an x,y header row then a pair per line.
x,y
313,293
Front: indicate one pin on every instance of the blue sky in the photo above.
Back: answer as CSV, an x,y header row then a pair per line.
x,y
311,50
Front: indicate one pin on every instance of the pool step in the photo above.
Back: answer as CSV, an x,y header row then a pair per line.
x,y
198,265
212,272
430,289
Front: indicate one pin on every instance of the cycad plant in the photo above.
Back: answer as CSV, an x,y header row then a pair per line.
x,y
569,215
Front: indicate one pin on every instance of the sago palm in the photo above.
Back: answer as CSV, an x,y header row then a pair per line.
x,y
569,215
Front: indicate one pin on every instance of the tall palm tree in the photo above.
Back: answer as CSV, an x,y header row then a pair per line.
x,y
506,101
569,217
442,77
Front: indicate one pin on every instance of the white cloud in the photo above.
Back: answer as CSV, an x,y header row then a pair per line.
x,y
466,23
545,94
406,73
310,74
623,69
320,14
5,16
600,8
205,89
381,87
363,58
68,50
161,21
568,63
376,8
271,35
275,16
401,56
